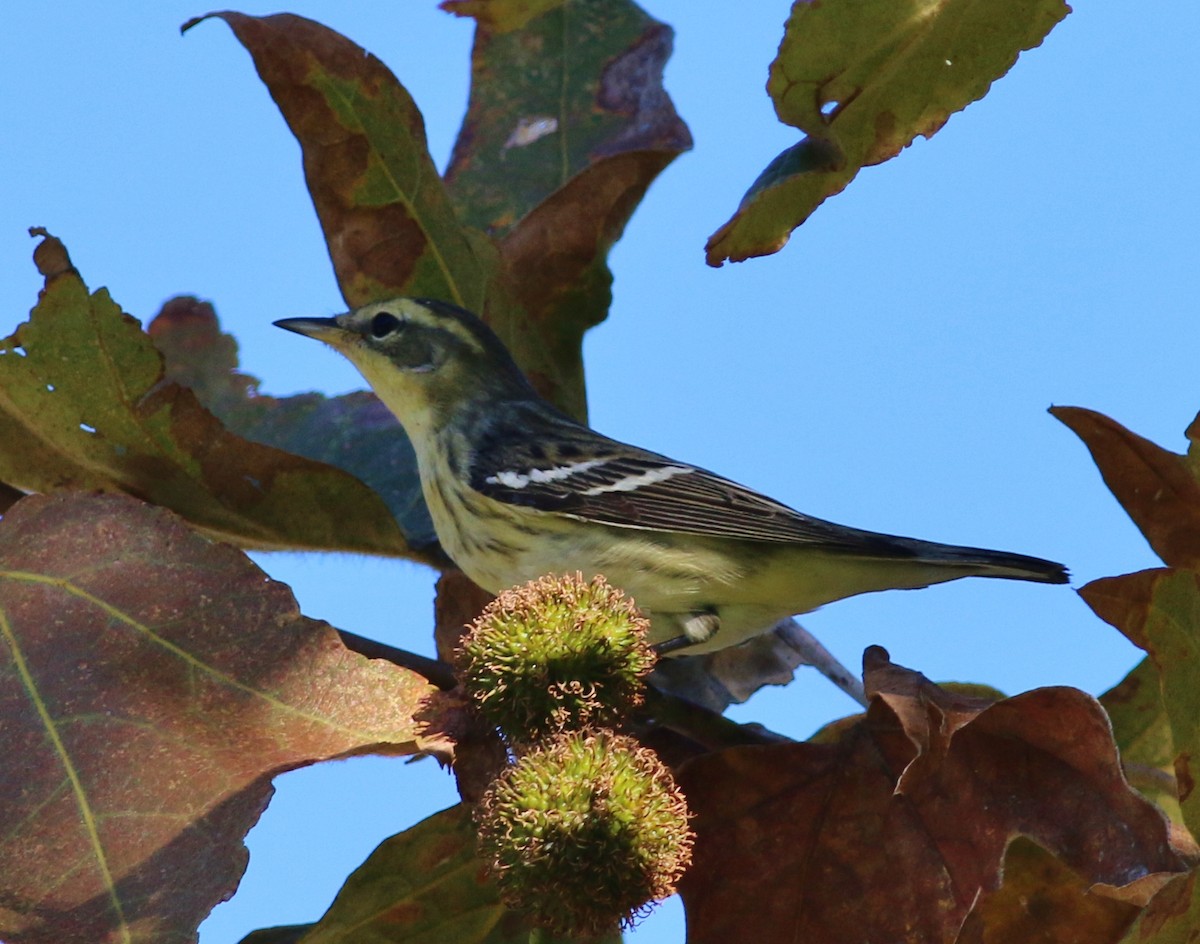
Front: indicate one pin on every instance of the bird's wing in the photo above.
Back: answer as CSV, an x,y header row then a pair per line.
x,y
614,484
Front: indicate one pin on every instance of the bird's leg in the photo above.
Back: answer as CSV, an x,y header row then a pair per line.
x,y
698,627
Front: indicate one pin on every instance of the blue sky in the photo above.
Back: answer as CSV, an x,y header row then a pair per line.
x,y
890,369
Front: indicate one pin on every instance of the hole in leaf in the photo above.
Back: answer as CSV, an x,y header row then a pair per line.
x,y
829,108
87,429
50,387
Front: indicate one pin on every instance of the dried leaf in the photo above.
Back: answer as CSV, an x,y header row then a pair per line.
x,y
388,223
863,79
1159,489
354,432
84,403
892,831
151,685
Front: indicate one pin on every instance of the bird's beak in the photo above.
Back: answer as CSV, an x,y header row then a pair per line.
x,y
328,330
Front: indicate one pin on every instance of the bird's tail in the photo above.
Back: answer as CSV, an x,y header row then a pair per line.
x,y
981,562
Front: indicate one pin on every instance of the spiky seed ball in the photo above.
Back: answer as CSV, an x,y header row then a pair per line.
x,y
585,832
559,652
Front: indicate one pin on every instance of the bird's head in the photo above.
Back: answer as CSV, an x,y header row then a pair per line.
x,y
424,358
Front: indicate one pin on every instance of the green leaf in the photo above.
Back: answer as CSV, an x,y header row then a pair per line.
x,y
84,403
569,90
1143,735
152,683
863,78
1173,631
567,125
424,886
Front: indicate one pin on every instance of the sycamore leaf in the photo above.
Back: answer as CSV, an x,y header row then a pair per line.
x,y
1159,610
893,829
863,78
1042,901
1159,489
1142,733
567,125
387,221
1173,917
354,432
84,403
501,16
152,683
422,886
563,94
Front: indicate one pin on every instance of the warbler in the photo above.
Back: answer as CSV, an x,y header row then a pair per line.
x,y
517,489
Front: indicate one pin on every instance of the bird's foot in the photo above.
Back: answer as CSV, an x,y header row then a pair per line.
x,y
697,628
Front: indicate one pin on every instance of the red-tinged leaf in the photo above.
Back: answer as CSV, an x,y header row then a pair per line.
x,y
390,228
1041,901
1159,489
354,432
892,831
567,125
863,78
151,684
388,222
566,92
84,403
423,885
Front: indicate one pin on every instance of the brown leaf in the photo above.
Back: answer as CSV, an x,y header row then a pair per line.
x,y
1173,917
151,684
84,403
892,831
1159,489
387,220
354,432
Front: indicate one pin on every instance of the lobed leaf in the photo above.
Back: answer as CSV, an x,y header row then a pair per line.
x,y
1142,733
85,403
863,78
893,828
1159,610
152,683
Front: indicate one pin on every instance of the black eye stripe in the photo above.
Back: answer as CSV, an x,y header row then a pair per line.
x,y
384,324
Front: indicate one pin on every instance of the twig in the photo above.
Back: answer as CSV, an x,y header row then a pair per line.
x,y
436,671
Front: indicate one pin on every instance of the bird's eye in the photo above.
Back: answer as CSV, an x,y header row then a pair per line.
x,y
384,324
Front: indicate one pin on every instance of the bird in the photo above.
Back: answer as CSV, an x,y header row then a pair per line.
x,y
517,489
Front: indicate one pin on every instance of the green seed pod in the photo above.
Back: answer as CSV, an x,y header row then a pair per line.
x,y
554,654
585,832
